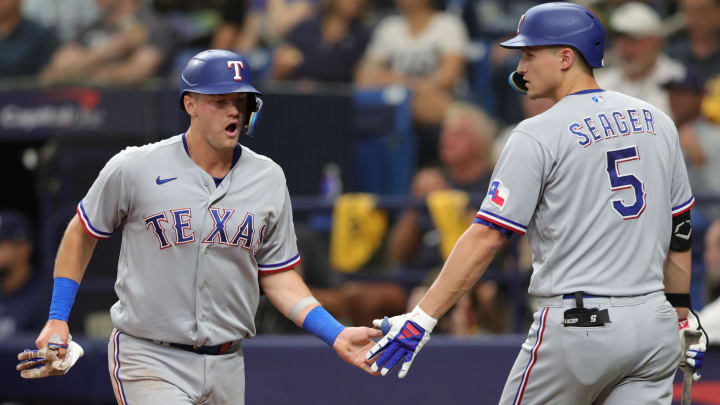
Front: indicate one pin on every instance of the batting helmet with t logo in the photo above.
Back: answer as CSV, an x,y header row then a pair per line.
x,y
221,72
559,24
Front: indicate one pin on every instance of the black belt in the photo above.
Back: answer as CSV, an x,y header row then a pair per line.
x,y
211,350
584,295
584,317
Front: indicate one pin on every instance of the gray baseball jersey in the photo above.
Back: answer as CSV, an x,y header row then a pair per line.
x,y
191,251
593,181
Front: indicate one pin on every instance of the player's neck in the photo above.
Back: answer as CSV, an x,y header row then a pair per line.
x,y
214,161
574,83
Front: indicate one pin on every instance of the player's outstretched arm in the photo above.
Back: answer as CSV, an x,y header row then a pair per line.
x,y
292,298
54,341
405,335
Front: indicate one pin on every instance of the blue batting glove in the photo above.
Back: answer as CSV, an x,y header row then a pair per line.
x,y
404,336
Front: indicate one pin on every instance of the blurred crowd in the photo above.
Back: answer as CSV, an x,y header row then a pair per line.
x,y
445,51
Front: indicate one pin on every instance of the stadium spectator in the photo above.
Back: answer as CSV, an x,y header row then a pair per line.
x,y
65,17
25,46
23,298
700,48
699,137
710,315
127,46
325,47
465,149
423,49
249,24
641,68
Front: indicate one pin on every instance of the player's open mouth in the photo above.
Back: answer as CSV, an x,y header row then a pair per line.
x,y
231,129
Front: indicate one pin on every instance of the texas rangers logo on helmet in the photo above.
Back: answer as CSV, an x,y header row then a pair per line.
x,y
498,194
237,65
522,20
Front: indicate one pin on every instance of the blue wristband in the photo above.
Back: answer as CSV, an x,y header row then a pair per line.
x,y
64,291
321,324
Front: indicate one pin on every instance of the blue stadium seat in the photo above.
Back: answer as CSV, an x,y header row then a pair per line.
x,y
384,147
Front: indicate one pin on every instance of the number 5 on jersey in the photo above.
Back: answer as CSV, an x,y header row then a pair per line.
x,y
622,182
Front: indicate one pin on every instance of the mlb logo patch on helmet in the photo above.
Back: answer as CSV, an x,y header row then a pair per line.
x,y
498,194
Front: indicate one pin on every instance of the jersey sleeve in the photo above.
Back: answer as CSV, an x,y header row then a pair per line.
x,y
680,193
516,184
278,251
106,204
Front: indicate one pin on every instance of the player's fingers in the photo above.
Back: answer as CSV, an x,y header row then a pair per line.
x,y
367,369
373,333
28,364
406,365
36,372
29,354
694,363
377,323
393,360
696,376
387,353
379,346
694,355
698,347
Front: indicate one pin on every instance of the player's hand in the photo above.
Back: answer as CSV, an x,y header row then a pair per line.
x,y
46,361
53,327
695,354
352,344
404,336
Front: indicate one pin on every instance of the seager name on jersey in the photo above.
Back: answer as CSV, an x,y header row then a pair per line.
x,y
183,233
596,127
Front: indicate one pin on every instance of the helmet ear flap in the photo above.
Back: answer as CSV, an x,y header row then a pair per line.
x,y
254,105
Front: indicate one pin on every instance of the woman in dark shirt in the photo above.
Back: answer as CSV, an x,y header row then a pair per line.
x,y
325,47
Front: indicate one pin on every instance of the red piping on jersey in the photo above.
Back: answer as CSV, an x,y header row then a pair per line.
x,y
685,210
288,267
85,225
534,355
487,218
116,369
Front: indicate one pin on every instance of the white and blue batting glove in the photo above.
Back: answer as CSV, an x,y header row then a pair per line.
x,y
404,336
695,353
45,362
694,358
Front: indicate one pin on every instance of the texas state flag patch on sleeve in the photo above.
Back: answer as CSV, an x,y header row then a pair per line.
x,y
498,194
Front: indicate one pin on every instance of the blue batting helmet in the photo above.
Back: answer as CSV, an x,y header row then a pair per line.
x,y
218,71
562,24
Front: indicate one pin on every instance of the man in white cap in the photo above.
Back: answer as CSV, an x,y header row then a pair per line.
x,y
639,68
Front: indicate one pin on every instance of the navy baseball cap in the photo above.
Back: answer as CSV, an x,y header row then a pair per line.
x,y
14,225
689,80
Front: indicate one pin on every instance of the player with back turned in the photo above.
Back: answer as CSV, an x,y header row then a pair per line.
x,y
207,224
599,185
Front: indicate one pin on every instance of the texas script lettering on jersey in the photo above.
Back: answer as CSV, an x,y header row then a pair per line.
x,y
182,228
601,126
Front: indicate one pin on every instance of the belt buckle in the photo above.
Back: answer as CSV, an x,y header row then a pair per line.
x,y
195,348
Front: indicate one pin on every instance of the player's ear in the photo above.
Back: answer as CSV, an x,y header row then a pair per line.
x,y
190,105
567,58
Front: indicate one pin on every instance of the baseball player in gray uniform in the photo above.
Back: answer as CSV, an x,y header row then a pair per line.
x,y
207,225
599,185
